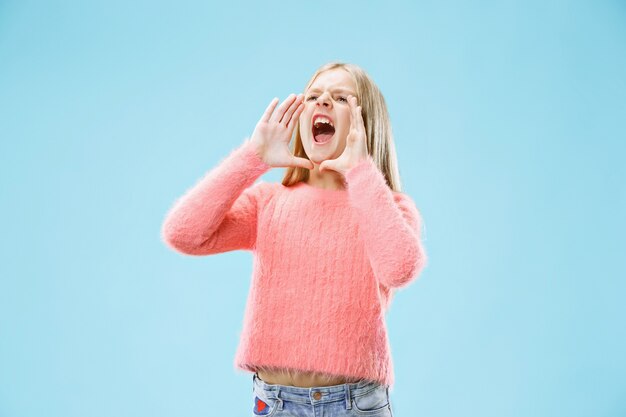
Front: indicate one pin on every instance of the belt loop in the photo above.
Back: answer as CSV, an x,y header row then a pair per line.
x,y
280,400
348,399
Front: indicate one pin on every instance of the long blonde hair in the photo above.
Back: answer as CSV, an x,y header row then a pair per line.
x,y
380,145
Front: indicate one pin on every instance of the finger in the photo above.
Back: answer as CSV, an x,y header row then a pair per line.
x,y
295,117
303,162
269,110
352,101
278,115
327,165
359,115
294,106
351,116
354,106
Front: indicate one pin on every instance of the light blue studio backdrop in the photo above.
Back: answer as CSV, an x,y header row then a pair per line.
x,y
509,126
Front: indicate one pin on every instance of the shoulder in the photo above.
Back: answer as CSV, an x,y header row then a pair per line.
x,y
262,190
402,197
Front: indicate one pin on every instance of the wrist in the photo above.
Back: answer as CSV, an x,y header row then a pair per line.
x,y
259,149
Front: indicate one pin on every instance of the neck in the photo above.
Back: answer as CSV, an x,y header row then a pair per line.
x,y
327,179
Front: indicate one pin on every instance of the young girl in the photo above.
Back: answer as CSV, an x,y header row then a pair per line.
x,y
331,244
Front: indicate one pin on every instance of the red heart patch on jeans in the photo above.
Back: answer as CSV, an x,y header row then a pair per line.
x,y
261,408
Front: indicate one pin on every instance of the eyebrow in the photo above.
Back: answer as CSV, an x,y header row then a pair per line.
x,y
336,89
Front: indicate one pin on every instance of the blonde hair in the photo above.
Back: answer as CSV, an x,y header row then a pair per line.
x,y
380,145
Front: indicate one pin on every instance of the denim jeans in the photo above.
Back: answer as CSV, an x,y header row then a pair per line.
x,y
363,398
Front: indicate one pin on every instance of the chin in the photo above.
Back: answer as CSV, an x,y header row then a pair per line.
x,y
321,154
317,157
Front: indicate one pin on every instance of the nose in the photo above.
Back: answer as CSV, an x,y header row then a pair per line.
x,y
323,100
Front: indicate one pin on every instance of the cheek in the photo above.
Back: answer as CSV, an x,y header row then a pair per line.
x,y
304,128
304,120
304,116
345,121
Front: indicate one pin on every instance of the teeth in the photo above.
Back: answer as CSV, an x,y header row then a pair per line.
x,y
323,120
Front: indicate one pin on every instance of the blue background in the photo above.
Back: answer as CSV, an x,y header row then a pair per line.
x,y
509,121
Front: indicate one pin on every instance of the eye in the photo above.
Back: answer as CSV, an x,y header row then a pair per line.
x,y
340,98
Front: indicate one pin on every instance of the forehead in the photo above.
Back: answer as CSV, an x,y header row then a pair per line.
x,y
334,79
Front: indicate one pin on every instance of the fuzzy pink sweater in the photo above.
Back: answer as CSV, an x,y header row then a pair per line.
x,y
326,262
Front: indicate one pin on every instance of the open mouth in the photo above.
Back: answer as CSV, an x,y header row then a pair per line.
x,y
323,131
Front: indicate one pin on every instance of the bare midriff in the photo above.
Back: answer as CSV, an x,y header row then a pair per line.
x,y
303,379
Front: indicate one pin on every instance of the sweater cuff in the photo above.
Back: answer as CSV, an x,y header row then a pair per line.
x,y
253,161
363,171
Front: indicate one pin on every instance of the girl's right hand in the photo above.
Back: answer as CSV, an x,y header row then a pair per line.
x,y
272,133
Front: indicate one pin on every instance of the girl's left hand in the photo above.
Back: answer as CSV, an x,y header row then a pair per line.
x,y
356,143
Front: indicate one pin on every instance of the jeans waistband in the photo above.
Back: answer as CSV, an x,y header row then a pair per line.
x,y
315,395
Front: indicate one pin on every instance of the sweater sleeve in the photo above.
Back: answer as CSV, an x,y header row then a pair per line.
x,y
389,223
219,213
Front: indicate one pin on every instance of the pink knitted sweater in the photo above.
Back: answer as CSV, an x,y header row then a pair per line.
x,y
326,262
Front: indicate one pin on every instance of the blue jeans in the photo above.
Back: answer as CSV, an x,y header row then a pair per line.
x,y
363,398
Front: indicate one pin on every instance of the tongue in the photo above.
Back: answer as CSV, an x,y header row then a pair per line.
x,y
324,137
